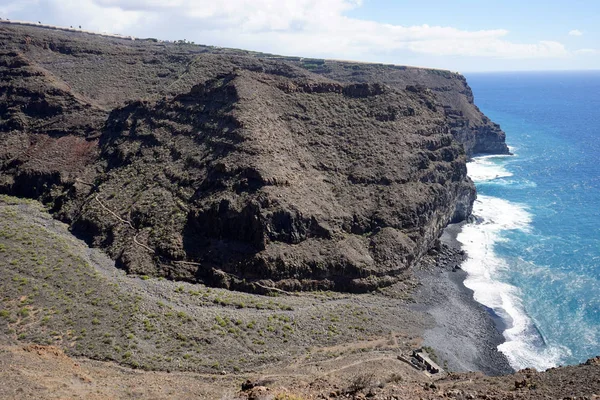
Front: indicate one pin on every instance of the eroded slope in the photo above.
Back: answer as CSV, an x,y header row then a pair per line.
x,y
235,168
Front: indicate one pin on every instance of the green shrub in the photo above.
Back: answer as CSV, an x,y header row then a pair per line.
x,y
221,321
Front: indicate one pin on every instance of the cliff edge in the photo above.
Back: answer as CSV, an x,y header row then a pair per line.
x,y
238,169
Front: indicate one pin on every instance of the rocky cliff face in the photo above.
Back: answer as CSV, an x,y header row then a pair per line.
x,y
236,168
467,123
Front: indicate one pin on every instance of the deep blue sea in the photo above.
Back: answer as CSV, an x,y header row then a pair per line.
x,y
534,255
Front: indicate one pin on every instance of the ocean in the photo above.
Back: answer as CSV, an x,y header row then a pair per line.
x,y
534,252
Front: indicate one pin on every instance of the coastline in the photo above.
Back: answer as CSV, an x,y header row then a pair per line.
x,y
331,370
466,334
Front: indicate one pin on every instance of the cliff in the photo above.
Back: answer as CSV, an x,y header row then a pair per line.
x,y
467,123
236,168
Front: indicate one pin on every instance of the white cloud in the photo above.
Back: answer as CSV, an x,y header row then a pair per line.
x,y
101,18
575,32
11,7
296,27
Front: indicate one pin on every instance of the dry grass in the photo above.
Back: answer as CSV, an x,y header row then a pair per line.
x,y
56,291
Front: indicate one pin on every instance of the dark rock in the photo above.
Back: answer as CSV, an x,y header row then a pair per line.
x,y
247,385
236,169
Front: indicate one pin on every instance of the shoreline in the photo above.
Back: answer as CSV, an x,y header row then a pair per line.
x,y
332,370
466,334
442,314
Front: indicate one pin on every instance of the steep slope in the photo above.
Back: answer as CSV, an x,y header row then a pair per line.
x,y
111,71
309,183
236,168
468,124
46,131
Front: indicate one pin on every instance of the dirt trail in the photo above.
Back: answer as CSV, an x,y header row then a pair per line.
x,y
44,372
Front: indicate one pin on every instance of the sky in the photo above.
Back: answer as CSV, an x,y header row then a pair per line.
x,y
460,35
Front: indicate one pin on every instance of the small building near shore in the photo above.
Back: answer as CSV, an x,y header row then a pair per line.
x,y
422,356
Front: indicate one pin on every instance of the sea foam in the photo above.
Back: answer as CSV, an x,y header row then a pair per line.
x,y
486,168
524,345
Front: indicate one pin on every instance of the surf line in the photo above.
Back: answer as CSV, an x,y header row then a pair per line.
x,y
524,346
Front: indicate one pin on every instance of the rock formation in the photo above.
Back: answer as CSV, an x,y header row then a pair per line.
x,y
236,168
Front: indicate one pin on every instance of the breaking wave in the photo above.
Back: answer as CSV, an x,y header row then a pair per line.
x,y
487,168
495,219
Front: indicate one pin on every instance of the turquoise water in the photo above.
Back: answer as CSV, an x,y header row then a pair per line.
x,y
534,254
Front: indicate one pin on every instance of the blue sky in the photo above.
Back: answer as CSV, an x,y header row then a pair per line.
x,y
461,35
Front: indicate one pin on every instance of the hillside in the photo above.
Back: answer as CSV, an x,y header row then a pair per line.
x,y
73,326
112,71
297,180
237,169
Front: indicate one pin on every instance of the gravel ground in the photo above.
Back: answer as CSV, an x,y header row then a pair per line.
x,y
466,334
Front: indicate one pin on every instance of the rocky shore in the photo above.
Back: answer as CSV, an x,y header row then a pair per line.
x,y
465,334
105,362
188,326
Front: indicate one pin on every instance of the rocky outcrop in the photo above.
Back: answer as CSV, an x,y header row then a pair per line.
x,y
33,101
467,123
240,169
43,128
252,181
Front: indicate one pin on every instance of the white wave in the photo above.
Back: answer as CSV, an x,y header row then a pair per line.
x,y
524,345
486,168
514,183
